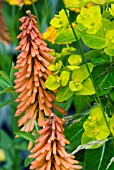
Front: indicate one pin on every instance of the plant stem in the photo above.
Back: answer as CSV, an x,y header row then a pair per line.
x,y
83,56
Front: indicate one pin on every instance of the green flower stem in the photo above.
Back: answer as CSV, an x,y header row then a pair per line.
x,y
36,13
82,53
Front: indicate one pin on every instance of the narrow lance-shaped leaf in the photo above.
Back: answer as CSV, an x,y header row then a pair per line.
x,y
6,77
25,135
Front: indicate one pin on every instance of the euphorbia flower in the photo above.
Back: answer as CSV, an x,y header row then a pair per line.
x,y
49,151
32,64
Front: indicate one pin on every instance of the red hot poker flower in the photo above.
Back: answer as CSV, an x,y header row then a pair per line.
x,y
49,151
32,64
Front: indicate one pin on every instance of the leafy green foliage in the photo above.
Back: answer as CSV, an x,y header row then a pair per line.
x,y
104,77
99,159
74,130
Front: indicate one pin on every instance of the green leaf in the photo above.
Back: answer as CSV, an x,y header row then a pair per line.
x,y
5,103
64,77
67,36
108,50
6,77
63,17
112,94
8,90
55,22
28,161
96,41
87,88
12,71
3,83
112,124
25,135
74,130
110,166
98,159
60,20
75,86
77,76
5,140
75,59
64,93
103,75
92,54
84,70
52,83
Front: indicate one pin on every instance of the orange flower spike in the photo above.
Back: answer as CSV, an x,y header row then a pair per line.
x,y
32,64
49,153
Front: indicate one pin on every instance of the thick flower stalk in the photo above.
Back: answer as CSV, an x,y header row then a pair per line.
x,y
49,152
32,64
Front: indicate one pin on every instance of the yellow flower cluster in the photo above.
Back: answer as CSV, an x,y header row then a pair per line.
x,y
20,2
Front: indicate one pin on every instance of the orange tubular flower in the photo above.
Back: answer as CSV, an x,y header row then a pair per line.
x,y
49,152
32,64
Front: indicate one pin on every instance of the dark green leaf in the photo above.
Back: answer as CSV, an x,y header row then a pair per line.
x,y
3,83
104,77
8,90
112,94
5,103
6,77
12,72
25,135
64,93
28,161
98,159
74,131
